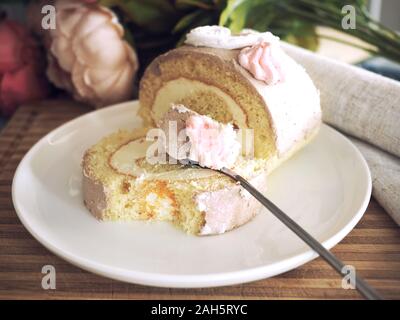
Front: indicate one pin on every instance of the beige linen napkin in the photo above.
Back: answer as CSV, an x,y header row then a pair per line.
x,y
385,172
366,106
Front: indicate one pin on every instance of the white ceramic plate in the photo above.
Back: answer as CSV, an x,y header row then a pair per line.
x,y
325,188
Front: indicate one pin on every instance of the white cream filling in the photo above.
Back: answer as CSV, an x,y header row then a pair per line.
x,y
124,161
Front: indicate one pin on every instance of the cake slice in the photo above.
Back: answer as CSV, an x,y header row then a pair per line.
x,y
190,135
120,184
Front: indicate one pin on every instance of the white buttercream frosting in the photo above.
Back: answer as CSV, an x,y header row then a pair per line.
x,y
293,104
213,144
222,38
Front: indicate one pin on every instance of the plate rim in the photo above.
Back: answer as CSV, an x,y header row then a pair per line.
x,y
179,280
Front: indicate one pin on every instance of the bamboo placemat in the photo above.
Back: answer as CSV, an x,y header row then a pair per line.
x,y
373,247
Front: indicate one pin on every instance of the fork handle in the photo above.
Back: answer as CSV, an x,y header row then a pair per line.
x,y
367,291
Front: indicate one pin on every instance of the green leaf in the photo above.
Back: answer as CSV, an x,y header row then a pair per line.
x,y
186,21
230,8
205,18
239,17
188,4
154,15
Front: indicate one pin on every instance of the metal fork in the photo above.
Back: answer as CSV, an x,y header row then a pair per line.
x,y
366,290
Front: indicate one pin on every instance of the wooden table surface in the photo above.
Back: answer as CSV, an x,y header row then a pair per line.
x,y
373,247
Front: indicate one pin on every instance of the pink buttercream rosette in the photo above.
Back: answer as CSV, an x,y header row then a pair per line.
x,y
264,61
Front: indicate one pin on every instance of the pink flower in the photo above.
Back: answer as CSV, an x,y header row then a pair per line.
x,y
21,79
88,56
